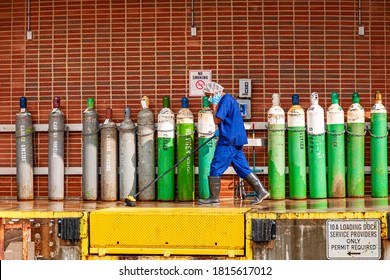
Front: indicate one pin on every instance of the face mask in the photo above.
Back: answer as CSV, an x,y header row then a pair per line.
x,y
215,98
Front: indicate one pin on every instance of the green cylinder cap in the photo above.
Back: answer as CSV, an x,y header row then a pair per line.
x,y
335,97
205,102
166,102
355,97
90,103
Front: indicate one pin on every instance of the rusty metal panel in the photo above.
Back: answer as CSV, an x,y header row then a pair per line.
x,y
33,239
296,240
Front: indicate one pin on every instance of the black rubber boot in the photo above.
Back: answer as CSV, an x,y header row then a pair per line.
x,y
257,186
215,187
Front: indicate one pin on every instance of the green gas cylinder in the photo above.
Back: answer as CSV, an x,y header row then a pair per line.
x,y
296,149
166,152
276,150
316,149
379,153
355,148
185,145
336,148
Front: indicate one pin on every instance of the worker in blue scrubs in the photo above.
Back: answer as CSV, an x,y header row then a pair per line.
x,y
232,138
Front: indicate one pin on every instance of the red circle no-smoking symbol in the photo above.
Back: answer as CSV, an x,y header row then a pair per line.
x,y
199,84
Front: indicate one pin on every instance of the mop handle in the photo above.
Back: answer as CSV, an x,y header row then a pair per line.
x,y
170,169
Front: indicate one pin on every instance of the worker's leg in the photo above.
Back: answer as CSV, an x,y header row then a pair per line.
x,y
219,164
241,166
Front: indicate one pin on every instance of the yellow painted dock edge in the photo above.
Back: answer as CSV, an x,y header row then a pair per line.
x,y
148,231
253,214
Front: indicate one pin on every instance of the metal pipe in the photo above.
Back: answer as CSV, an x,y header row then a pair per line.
x,y
192,13
28,15
360,12
78,127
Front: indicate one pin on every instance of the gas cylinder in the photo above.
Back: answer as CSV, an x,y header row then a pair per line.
x,y
166,152
90,151
355,148
276,150
127,157
378,131
185,145
336,148
109,161
316,148
56,152
146,151
296,149
24,153
206,130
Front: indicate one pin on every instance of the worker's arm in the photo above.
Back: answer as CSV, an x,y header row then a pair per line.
x,y
217,120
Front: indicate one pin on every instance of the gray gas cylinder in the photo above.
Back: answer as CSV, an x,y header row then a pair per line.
x,y
146,152
24,153
56,152
90,152
127,157
109,159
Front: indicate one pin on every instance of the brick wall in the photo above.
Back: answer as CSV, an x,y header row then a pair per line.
x,y
117,51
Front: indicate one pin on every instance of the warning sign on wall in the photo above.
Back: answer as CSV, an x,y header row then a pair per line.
x,y
198,79
353,239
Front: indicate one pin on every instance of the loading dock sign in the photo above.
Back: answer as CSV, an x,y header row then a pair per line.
x,y
353,239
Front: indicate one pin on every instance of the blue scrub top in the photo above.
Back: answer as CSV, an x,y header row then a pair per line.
x,y
231,129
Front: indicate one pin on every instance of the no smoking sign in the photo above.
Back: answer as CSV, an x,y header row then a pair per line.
x,y
198,79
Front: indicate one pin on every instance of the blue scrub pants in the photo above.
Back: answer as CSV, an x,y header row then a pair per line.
x,y
224,156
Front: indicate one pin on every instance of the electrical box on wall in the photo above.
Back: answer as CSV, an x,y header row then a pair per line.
x,y
245,88
245,108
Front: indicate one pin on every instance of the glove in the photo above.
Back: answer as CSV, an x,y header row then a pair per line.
x,y
215,98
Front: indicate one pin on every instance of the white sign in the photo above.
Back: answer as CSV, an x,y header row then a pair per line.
x,y
353,239
198,79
